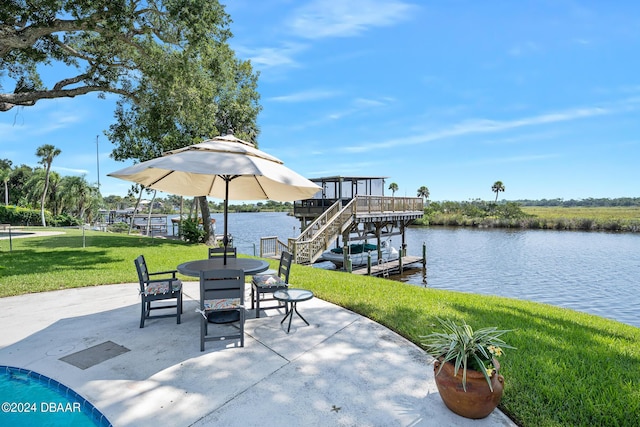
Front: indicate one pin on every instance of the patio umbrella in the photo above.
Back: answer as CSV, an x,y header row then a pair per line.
x,y
224,167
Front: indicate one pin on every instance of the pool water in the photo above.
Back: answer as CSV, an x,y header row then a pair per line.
x,y
32,399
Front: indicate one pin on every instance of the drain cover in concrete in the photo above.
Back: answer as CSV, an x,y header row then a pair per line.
x,y
93,355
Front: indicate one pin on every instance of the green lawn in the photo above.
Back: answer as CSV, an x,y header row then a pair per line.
x,y
569,368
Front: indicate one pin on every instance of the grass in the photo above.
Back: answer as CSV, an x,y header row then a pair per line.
x,y
625,219
569,368
594,213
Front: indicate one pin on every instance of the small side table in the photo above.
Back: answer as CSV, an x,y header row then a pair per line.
x,y
293,296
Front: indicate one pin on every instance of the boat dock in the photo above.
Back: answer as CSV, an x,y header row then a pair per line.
x,y
392,267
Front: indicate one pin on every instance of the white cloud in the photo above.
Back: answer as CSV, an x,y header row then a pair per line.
x,y
514,159
479,126
269,57
41,120
344,169
365,102
308,95
340,18
524,48
583,42
70,170
56,121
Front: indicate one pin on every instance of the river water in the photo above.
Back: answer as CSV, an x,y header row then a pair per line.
x,y
593,272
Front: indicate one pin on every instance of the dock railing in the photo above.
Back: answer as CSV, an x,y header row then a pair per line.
x,y
383,204
154,224
271,247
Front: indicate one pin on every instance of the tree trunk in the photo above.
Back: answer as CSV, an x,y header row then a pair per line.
x,y
149,233
135,210
44,194
206,220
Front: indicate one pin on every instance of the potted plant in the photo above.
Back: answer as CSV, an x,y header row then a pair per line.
x,y
466,369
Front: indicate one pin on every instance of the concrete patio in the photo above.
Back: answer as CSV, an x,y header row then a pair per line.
x,y
342,370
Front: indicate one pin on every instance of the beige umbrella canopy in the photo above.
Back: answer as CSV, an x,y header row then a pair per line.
x,y
224,167
204,169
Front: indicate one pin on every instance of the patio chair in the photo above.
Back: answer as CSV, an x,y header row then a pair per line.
x,y
158,289
263,284
221,291
219,252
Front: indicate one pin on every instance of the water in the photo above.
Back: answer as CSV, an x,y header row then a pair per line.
x,y
244,226
593,272
248,227
32,399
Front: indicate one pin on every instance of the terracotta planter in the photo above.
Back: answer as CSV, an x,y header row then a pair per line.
x,y
478,401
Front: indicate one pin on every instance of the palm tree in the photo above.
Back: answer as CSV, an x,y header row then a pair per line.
x,y
5,174
47,153
76,194
497,187
393,187
423,192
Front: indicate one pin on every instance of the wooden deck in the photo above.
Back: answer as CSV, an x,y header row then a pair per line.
x,y
391,267
363,216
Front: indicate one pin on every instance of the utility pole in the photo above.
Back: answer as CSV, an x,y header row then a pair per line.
x,y
98,161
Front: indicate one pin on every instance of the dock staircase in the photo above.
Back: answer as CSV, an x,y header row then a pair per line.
x,y
339,220
322,232
376,212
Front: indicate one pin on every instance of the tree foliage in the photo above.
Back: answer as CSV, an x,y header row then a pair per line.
x,y
107,46
423,192
497,187
393,187
179,80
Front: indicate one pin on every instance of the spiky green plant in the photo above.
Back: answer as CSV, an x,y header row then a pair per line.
x,y
469,349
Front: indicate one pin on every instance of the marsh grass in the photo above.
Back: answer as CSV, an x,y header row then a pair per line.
x,y
626,219
570,368
594,213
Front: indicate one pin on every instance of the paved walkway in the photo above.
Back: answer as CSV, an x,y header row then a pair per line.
x,y
342,370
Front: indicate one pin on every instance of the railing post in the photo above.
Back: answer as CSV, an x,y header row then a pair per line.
x,y
369,263
345,255
424,262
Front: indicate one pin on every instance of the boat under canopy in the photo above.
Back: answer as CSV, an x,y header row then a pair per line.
x,y
359,253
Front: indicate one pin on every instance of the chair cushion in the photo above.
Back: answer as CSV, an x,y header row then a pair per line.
x,y
222,304
155,288
268,281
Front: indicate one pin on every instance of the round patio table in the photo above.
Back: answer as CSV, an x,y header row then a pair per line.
x,y
248,265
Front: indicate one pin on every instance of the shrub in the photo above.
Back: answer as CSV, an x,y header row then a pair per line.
x,y
64,220
118,227
22,216
191,232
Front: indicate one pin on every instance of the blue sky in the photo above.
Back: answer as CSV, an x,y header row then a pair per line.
x,y
541,95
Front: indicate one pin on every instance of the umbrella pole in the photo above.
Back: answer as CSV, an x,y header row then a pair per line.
x,y
225,239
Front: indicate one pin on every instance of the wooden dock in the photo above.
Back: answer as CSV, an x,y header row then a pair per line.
x,y
391,267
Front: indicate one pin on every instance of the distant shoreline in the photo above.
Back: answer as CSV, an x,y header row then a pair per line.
x,y
598,218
